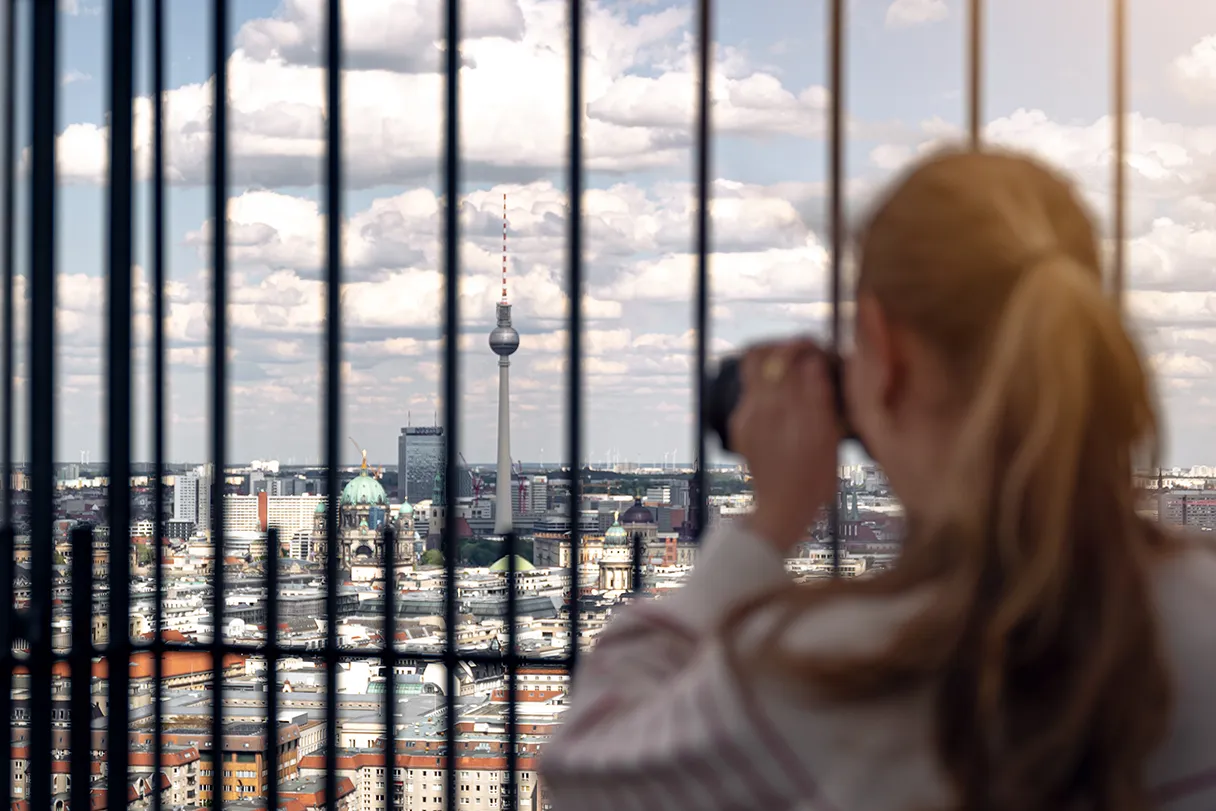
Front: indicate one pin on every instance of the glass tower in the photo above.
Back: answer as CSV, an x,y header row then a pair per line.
x,y
420,455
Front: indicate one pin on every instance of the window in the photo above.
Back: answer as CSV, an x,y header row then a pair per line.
x,y
208,599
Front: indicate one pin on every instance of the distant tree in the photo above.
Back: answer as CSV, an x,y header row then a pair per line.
x,y
728,485
481,553
432,557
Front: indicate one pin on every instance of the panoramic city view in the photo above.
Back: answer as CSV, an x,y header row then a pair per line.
x,y
494,550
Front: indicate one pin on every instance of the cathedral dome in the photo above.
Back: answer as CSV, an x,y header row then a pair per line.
x,y
363,489
320,508
405,509
616,535
521,565
637,514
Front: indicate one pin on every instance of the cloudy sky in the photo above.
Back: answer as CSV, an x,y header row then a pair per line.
x,y
1047,82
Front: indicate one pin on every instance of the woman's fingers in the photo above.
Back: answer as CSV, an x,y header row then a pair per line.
x,y
770,364
784,427
777,398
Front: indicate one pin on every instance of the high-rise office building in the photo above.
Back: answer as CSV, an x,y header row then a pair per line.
x,y
206,481
185,497
257,481
192,497
421,453
534,496
285,486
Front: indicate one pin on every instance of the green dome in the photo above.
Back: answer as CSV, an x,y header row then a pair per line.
x,y
320,508
363,489
405,509
521,565
616,535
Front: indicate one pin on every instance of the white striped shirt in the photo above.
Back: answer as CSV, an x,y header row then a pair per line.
x,y
660,721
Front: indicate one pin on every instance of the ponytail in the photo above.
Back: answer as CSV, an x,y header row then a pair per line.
x,y
1059,628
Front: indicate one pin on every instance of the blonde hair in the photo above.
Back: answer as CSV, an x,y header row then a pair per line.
x,y
1051,689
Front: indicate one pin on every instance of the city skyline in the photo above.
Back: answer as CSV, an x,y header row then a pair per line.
x,y
769,260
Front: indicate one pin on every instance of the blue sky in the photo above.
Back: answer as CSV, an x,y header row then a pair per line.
x,y
1046,88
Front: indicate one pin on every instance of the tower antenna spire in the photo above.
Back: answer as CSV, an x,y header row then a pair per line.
x,y
504,246
504,340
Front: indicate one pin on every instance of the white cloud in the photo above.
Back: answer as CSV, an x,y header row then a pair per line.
x,y
1181,365
1194,72
637,243
768,269
392,35
75,9
73,76
756,104
637,246
907,13
1171,249
513,92
1170,165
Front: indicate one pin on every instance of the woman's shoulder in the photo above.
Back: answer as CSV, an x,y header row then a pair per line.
x,y
1184,588
1183,548
846,621
1186,572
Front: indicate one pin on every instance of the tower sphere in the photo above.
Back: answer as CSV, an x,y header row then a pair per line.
x,y
504,340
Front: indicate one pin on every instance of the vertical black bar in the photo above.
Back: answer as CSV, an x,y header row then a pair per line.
x,y
118,412
8,618
1119,113
389,663
219,382
512,798
82,665
639,552
272,668
836,210
574,366
9,155
975,71
333,370
451,378
158,376
45,81
701,313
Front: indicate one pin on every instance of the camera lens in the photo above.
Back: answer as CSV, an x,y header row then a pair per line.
x,y
722,393
724,389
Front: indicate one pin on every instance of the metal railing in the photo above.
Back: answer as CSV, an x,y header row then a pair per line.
x,y
33,625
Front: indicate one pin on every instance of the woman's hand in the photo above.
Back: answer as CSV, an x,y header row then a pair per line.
x,y
787,429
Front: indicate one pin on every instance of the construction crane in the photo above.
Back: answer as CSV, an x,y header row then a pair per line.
x,y
477,481
363,452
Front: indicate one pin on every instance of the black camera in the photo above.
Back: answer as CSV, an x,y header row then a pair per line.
x,y
724,389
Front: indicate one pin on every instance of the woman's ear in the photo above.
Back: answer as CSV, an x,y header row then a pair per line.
x,y
876,339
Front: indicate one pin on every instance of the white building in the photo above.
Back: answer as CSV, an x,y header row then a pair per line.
x,y
292,513
658,495
289,514
185,497
192,497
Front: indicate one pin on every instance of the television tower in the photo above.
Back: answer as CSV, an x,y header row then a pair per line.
x,y
504,340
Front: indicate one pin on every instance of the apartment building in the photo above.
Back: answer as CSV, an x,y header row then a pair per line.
x,y
180,765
